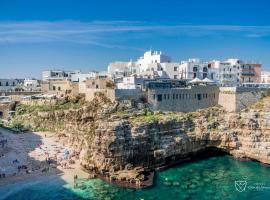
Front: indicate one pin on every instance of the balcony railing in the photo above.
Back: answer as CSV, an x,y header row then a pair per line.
x,y
248,74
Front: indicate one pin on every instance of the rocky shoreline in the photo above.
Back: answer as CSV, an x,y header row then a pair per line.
x,y
120,142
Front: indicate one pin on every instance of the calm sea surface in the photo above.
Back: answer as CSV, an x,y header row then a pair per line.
x,y
212,178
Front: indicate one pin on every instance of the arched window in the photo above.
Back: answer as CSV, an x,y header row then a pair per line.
x,y
195,69
205,69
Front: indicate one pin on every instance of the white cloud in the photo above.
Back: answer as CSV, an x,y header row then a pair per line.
x,y
113,34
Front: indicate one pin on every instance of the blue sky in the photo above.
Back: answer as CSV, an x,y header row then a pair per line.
x,y
87,35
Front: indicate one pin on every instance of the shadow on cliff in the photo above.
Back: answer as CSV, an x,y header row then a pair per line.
x,y
34,182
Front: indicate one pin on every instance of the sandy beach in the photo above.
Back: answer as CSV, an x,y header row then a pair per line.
x,y
31,156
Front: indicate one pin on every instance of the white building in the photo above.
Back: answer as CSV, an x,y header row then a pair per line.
x,y
265,77
48,75
121,69
151,57
233,72
79,77
171,70
31,85
8,85
131,82
150,61
195,68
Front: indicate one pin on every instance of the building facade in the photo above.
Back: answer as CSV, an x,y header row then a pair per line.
x,y
265,77
10,85
48,75
79,77
234,72
186,99
195,68
31,85
121,69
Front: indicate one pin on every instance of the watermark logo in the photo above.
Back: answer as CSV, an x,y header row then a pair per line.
x,y
240,186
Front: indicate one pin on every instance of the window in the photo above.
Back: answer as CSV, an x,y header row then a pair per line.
x,y
173,96
168,96
159,97
176,96
199,96
53,87
154,96
164,96
59,88
6,83
206,96
205,69
204,75
0,83
194,75
175,69
195,69
175,76
96,86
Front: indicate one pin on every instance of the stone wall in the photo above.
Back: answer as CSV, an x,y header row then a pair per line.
x,y
5,108
186,99
234,99
114,94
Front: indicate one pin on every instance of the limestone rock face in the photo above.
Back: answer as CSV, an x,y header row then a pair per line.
x,y
110,141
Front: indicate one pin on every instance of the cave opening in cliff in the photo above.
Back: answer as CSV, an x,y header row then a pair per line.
x,y
196,156
208,152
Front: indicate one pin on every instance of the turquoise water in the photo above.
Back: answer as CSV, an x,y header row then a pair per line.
x,y
212,178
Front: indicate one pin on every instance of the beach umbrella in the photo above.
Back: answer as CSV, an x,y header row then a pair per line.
x,y
196,80
207,80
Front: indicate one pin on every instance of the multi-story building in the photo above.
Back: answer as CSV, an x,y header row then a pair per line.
x,y
31,85
231,71
48,75
251,72
265,77
79,77
9,85
150,61
121,69
234,72
195,68
152,57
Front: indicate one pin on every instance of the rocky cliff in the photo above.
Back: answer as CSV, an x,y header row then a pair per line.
x,y
124,142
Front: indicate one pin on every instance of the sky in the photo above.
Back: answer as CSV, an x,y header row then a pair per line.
x,y
36,35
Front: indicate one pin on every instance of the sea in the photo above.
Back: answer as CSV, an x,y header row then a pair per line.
x,y
218,178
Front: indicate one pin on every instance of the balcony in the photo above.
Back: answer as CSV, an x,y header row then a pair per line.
x,y
248,73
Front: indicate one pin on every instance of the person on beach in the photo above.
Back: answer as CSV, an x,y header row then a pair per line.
x,y
75,180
